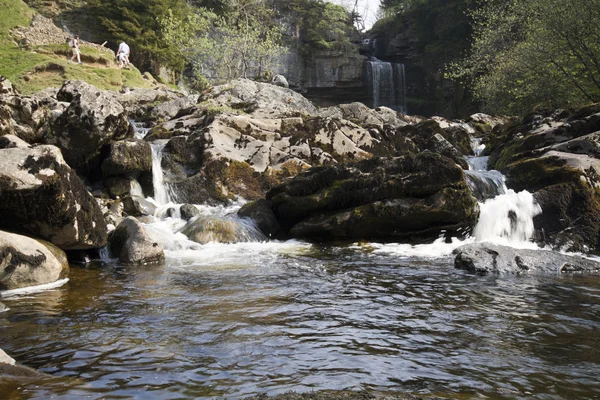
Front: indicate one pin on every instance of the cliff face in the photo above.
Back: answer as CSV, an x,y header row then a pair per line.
x,y
326,76
426,39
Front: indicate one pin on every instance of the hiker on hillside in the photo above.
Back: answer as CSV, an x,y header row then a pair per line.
x,y
123,55
74,43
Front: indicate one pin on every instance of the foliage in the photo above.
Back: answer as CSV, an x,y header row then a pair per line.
x,y
539,51
240,43
317,25
137,23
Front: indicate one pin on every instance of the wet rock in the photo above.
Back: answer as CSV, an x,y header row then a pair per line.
x,y
128,157
93,119
260,212
137,206
206,229
132,244
41,196
28,262
380,198
118,186
3,308
188,212
484,258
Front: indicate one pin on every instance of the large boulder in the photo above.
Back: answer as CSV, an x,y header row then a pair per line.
x,y
128,157
133,245
41,196
180,106
28,262
93,119
261,213
404,198
260,99
484,258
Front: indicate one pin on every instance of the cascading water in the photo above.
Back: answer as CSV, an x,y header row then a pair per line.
x,y
506,217
161,189
139,129
387,83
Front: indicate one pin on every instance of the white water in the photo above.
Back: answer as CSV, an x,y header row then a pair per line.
x,y
140,130
33,289
161,189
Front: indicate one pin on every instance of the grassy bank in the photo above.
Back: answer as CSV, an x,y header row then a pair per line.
x,y
39,67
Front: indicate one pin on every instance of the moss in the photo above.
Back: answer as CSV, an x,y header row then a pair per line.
x,y
535,174
501,159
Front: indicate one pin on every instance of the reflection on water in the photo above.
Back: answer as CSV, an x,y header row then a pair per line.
x,y
274,317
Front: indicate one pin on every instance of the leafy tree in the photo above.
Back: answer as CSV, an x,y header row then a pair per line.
x,y
137,23
243,42
538,51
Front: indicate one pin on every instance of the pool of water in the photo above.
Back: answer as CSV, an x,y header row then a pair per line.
x,y
237,320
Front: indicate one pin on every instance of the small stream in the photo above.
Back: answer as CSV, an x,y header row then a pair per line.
x,y
233,320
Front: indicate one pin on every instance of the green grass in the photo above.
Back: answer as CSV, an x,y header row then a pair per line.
x,y
47,66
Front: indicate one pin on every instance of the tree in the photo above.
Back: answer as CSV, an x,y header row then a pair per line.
x,y
538,51
243,42
136,22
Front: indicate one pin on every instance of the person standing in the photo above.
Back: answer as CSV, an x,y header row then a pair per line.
x,y
123,55
74,43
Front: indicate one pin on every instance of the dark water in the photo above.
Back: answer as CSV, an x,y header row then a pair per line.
x,y
304,320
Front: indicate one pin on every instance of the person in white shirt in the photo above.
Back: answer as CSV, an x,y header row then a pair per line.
x,y
123,55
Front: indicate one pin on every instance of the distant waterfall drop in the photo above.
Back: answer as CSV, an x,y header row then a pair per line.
x,y
387,84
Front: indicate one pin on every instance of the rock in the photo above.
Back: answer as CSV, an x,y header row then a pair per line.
x,y
6,359
206,229
3,308
483,258
139,102
260,99
260,212
364,116
484,123
93,119
244,155
28,262
41,196
23,116
11,141
188,212
379,198
118,186
137,206
279,80
133,245
128,157
177,107
428,135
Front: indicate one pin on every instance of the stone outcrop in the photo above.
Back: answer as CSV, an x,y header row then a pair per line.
x,y
26,116
259,99
92,120
41,196
133,245
172,108
130,157
389,199
484,258
553,154
28,262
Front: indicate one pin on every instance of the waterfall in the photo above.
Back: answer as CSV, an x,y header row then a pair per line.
x,y
161,189
387,84
139,129
506,217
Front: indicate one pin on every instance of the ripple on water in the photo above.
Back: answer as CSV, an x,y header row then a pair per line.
x,y
235,320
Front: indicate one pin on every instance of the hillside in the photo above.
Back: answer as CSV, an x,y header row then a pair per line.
x,y
32,66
